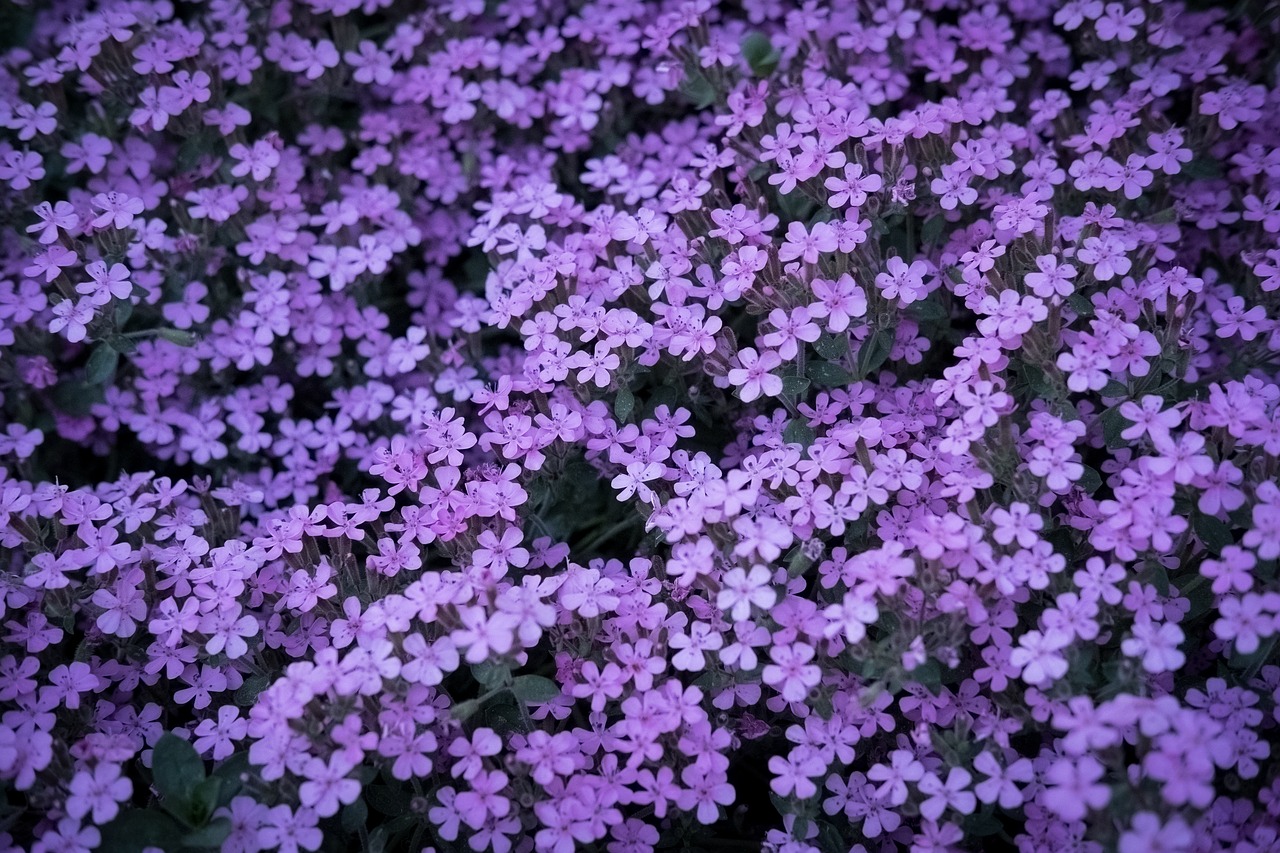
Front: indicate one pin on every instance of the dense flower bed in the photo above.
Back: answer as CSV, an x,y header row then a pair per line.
x,y
619,425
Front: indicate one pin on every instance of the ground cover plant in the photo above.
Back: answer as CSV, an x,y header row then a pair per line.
x,y
631,426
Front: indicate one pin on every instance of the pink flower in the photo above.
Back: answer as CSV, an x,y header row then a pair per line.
x,y
740,591
794,775
754,378
693,646
597,368
1018,522
67,682
72,318
1234,104
1148,832
791,674
1073,787
470,752
53,218
218,738
291,830
893,777
853,188
98,793
116,210
499,554
1086,368
1000,786
1053,278
950,794
791,329
105,284
807,244
839,302
1037,656
1107,255
903,282
328,787
849,619
704,792
20,169
50,263
1244,621
1157,644
1149,417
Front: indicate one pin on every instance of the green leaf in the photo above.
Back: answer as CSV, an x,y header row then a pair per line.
x,y
534,689
124,310
932,229
1090,480
1083,661
832,346
760,54
1199,592
798,562
928,674
101,364
624,404
211,835
76,398
233,766
873,352
794,386
822,214
829,837
1039,383
829,375
134,830
204,800
464,710
798,432
491,675
980,825
1080,304
1114,423
378,840
177,336
929,311
476,268
176,769
16,24
402,822
795,206
504,717
387,800
354,815
249,691
663,395
1158,576
1202,168
699,90
1215,534
898,238
1256,659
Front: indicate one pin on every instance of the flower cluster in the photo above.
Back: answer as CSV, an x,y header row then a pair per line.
x,y
615,425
